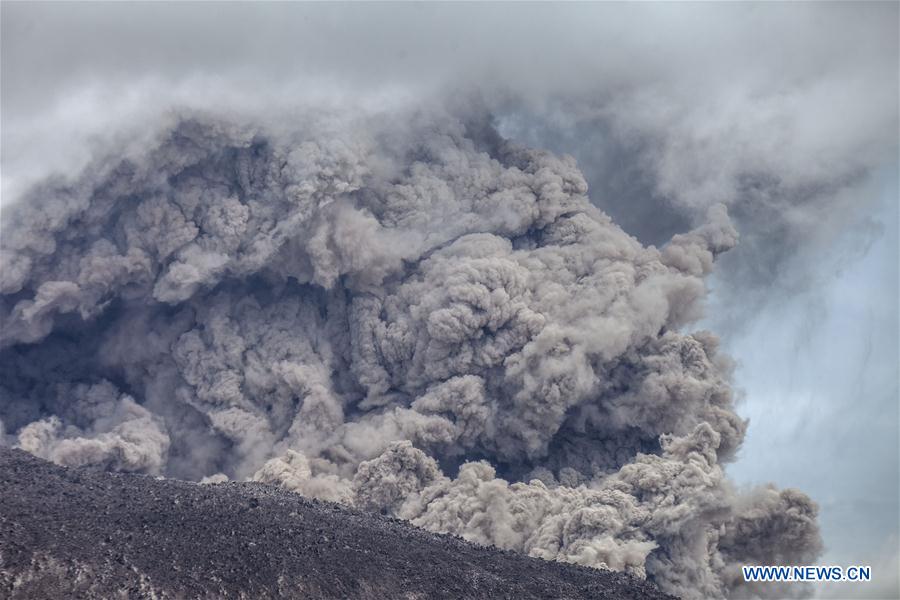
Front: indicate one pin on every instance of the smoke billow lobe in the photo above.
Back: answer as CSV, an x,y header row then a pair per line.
x,y
402,312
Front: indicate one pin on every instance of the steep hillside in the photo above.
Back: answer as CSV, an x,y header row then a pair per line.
x,y
77,533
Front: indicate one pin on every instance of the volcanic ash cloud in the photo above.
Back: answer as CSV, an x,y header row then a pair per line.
x,y
402,312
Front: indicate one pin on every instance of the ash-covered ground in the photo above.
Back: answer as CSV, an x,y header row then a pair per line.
x,y
81,533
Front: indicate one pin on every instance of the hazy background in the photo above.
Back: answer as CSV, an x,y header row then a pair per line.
x,y
788,113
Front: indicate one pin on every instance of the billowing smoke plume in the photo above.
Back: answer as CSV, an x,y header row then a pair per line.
x,y
401,312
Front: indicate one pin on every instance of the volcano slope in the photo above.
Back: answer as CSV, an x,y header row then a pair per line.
x,y
82,533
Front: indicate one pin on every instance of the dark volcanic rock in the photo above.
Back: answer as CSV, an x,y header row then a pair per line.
x,y
76,533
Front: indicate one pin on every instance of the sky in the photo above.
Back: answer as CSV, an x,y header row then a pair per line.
x,y
786,113
818,372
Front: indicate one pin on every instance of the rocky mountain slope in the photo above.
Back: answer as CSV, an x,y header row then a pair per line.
x,y
78,533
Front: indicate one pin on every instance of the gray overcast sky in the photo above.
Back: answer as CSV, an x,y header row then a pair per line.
x,y
785,112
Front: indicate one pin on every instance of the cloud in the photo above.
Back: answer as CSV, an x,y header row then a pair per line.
x,y
353,307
